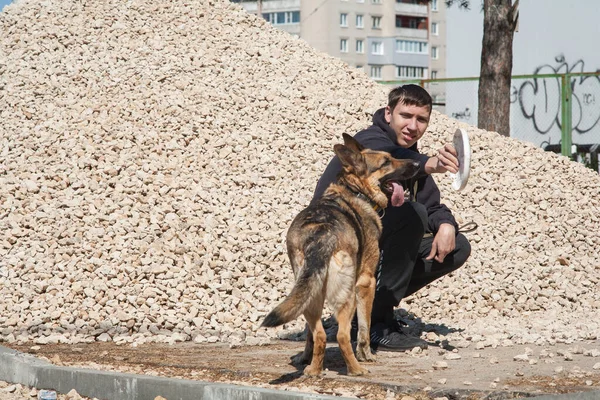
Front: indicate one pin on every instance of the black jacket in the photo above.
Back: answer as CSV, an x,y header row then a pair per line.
x,y
380,136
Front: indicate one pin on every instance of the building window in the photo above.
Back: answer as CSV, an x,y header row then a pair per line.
x,y
435,28
282,18
434,5
359,66
434,74
344,45
360,21
377,48
376,1
292,17
376,71
411,46
344,20
360,46
376,22
275,18
411,72
434,53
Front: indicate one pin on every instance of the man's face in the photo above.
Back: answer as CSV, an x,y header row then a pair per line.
x,y
408,122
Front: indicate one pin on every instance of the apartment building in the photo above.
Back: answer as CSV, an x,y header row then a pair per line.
x,y
389,39
437,52
284,14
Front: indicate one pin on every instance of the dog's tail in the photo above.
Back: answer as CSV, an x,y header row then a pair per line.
x,y
308,286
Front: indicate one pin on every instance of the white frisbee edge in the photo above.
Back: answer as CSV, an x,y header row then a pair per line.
x,y
463,149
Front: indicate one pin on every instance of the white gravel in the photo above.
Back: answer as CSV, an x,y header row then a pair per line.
x,y
153,155
10,391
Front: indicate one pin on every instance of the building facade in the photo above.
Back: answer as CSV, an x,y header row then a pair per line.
x,y
390,40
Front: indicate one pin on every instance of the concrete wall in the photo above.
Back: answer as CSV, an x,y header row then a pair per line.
x,y
553,37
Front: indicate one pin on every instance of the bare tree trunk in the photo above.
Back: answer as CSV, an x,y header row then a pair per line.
x,y
499,22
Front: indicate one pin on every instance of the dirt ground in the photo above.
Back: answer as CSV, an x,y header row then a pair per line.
x,y
468,373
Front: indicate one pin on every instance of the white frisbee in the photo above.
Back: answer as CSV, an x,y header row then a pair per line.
x,y
463,149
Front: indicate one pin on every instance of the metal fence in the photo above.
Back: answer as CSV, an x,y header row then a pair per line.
x,y
557,112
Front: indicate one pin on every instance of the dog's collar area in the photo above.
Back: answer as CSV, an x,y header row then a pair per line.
x,y
375,206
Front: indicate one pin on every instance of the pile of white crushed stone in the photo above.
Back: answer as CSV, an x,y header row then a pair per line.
x,y
153,154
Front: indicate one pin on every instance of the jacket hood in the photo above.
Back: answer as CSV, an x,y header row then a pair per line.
x,y
379,120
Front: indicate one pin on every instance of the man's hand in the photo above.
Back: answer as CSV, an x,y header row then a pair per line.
x,y
444,242
444,161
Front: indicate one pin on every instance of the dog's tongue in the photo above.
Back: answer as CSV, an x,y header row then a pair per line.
x,y
398,195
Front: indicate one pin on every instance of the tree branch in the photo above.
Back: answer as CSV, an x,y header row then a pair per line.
x,y
462,3
514,15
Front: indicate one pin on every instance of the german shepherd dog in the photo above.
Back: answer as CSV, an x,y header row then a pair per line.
x,y
333,246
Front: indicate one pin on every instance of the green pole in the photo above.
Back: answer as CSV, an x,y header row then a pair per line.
x,y
566,115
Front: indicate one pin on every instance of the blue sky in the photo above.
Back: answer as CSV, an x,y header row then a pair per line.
x,y
3,3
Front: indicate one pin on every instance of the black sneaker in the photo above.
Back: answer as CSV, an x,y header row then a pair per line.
x,y
389,337
386,338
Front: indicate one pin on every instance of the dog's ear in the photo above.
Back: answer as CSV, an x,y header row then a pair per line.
x,y
352,143
352,161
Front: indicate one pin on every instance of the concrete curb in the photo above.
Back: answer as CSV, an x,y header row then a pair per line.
x,y
26,369
595,395
18,367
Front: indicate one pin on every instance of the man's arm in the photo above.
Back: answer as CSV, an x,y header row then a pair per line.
x,y
444,161
377,140
374,140
440,220
429,195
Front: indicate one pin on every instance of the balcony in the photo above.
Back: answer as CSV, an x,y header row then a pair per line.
x,y
411,33
415,10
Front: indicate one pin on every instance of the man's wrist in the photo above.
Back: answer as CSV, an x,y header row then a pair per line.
x,y
431,165
447,226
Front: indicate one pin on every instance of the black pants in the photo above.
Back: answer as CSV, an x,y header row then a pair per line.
x,y
403,268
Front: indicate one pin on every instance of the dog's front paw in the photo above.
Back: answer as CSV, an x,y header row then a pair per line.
x,y
311,370
365,354
358,371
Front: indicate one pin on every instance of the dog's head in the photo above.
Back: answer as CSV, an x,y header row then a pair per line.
x,y
375,174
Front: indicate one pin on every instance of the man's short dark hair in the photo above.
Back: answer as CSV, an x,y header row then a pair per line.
x,y
410,95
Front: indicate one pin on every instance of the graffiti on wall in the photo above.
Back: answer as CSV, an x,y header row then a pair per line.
x,y
462,115
539,99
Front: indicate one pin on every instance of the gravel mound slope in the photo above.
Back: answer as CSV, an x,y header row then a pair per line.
x,y
152,157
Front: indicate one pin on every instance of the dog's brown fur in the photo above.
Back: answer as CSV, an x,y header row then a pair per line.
x,y
333,248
